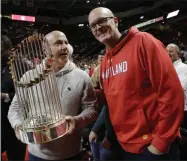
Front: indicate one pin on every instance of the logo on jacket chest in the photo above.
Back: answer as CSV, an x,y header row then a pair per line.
x,y
115,70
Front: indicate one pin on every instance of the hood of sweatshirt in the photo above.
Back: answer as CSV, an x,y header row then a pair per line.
x,y
69,66
125,37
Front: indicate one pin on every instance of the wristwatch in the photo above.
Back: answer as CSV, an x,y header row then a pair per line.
x,y
7,98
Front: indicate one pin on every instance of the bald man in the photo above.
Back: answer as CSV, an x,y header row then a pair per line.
x,y
78,98
173,51
144,111
181,69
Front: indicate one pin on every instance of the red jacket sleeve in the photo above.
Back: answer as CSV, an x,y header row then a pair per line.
x,y
164,79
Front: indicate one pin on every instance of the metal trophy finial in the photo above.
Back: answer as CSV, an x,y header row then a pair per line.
x,y
37,92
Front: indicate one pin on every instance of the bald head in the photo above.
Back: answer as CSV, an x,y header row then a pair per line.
x,y
54,34
174,46
173,51
105,12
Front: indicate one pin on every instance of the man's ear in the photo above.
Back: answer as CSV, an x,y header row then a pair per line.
x,y
116,21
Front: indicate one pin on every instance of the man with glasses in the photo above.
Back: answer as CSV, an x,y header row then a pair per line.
x,y
140,85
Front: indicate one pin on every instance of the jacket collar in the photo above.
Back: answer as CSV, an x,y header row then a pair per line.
x,y
69,66
126,36
177,62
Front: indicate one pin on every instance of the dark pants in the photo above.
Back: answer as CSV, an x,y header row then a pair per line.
x,y
183,146
34,158
173,154
183,152
14,148
100,153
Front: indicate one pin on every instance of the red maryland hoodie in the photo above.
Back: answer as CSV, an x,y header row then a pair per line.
x,y
145,98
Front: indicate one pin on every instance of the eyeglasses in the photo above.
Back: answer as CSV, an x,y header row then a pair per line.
x,y
101,22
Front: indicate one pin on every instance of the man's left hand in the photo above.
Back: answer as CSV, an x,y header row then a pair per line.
x,y
106,144
71,124
154,150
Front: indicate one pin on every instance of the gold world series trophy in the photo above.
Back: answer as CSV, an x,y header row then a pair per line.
x,y
41,112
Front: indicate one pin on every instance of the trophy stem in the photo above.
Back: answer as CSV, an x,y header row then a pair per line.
x,y
31,97
46,104
35,74
22,93
23,111
56,94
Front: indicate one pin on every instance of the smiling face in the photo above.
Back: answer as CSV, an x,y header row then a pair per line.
x,y
58,43
103,24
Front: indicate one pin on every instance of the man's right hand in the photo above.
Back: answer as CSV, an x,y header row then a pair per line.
x,y
93,137
16,129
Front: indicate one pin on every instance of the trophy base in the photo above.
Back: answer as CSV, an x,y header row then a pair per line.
x,y
43,134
